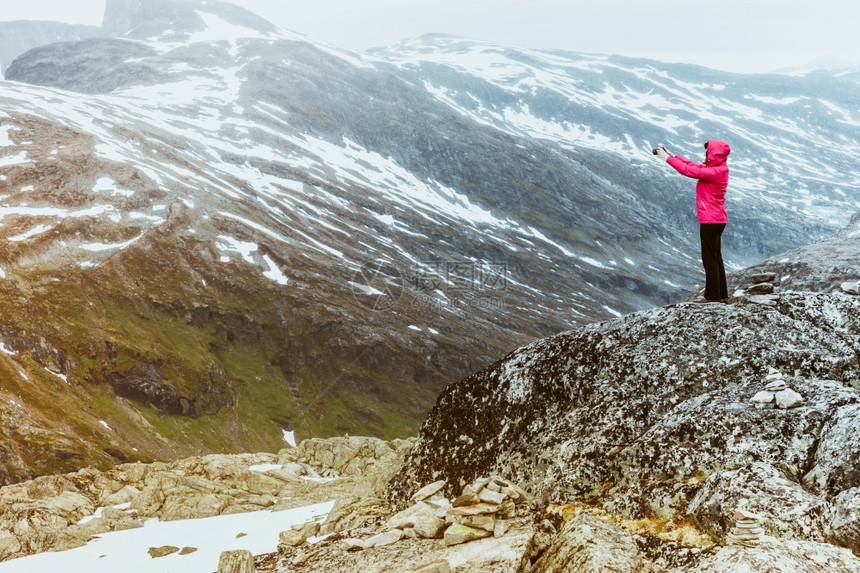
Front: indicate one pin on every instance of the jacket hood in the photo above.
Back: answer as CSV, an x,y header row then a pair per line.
x,y
718,151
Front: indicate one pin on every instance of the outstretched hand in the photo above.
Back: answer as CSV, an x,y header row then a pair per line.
x,y
663,153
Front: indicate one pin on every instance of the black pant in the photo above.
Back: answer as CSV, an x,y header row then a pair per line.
x,y
712,259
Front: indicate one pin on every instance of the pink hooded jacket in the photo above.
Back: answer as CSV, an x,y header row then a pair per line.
x,y
713,176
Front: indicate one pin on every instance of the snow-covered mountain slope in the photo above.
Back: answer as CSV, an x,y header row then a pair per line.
x,y
267,233
794,139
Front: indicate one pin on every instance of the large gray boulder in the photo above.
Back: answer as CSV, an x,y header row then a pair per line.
x,y
842,523
774,555
836,465
788,510
590,545
651,417
655,400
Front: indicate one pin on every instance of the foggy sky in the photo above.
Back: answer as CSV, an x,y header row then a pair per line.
x,y
735,35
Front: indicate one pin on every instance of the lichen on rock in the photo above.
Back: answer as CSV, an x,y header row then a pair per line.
x,y
651,415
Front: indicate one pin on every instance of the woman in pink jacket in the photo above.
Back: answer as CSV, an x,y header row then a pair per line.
x,y
713,178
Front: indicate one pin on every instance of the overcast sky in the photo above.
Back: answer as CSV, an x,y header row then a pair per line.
x,y
735,35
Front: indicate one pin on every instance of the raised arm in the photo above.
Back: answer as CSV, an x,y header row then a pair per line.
x,y
693,170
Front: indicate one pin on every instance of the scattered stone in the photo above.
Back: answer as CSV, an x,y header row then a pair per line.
x,y
440,504
409,516
776,385
311,529
466,499
788,398
508,509
476,509
188,550
514,492
776,393
430,527
409,533
747,530
156,552
489,496
438,566
764,299
353,544
763,278
851,287
240,561
760,288
384,538
484,521
471,490
472,515
459,533
428,490
744,514
479,483
763,399
761,291
481,509
292,537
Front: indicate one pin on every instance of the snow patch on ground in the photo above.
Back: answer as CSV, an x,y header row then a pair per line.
x,y
265,467
273,272
290,437
127,550
17,159
37,230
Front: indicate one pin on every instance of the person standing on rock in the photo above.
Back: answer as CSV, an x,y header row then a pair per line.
x,y
713,179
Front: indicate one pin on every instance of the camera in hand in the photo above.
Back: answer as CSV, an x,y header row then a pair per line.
x,y
655,151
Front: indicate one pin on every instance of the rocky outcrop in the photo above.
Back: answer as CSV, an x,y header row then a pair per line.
x,y
52,513
236,562
787,509
589,544
18,37
651,417
370,549
829,265
101,65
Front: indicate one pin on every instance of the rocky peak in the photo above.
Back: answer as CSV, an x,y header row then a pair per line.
x,y
177,19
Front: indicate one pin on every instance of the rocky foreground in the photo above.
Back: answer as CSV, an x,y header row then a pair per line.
x,y
693,437
651,419
54,513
